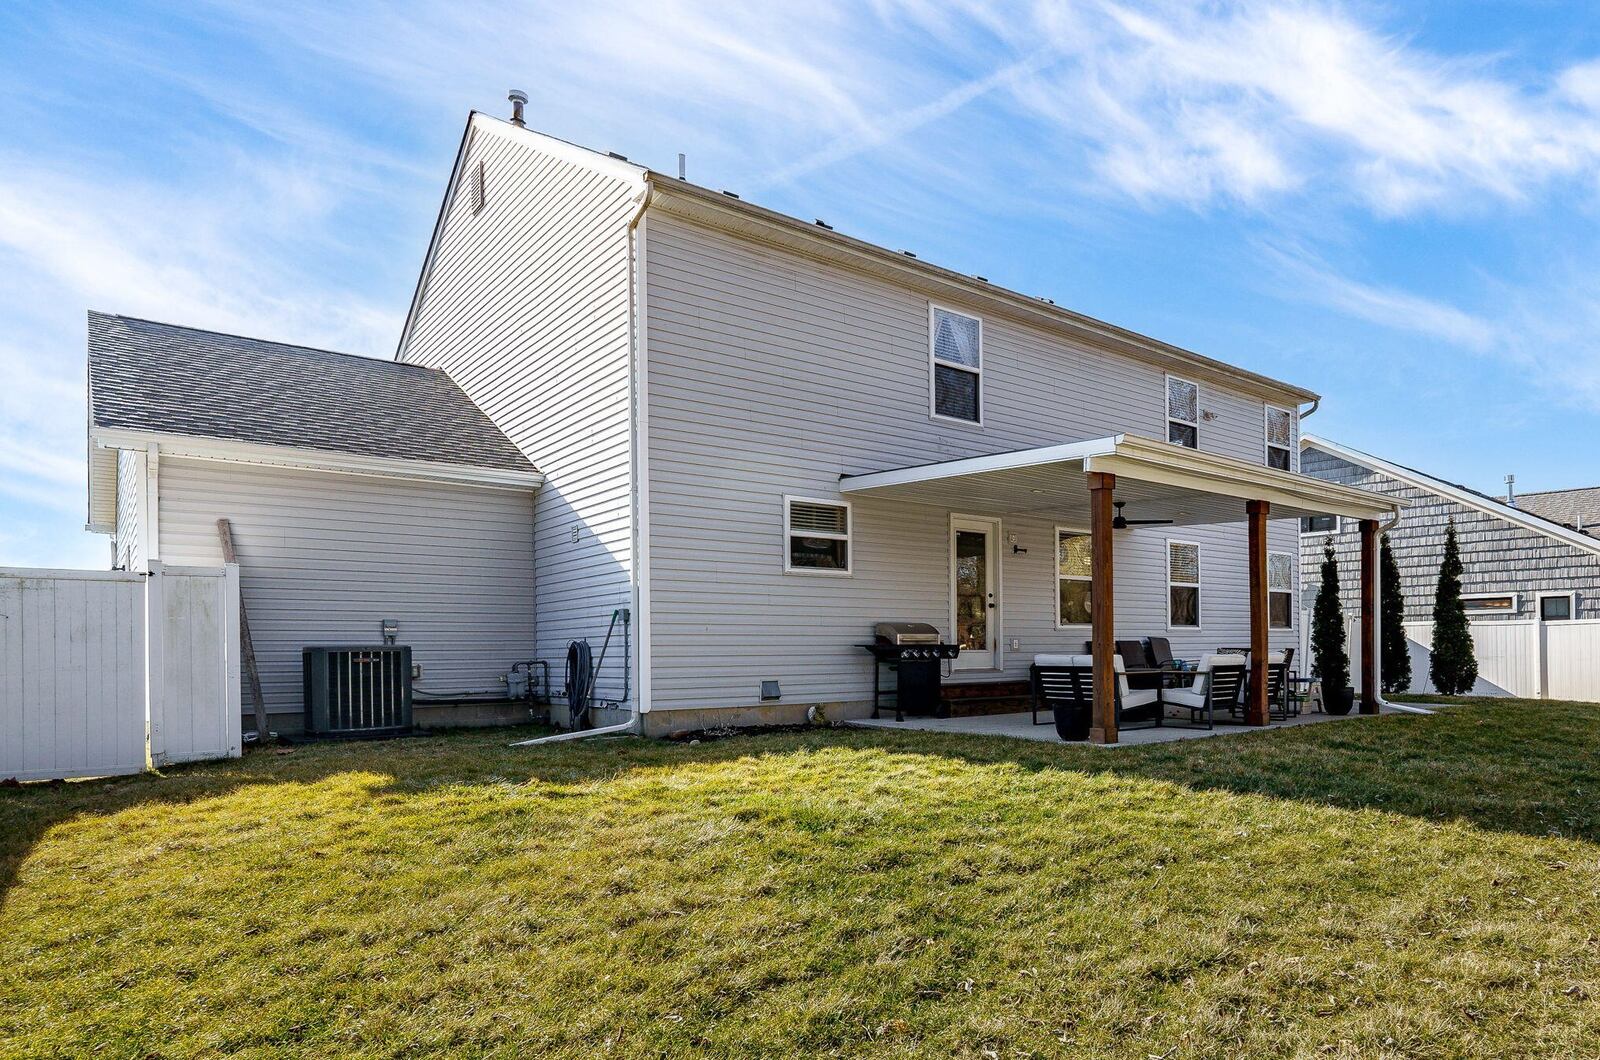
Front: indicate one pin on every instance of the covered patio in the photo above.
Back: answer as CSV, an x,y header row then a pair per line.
x,y
1081,482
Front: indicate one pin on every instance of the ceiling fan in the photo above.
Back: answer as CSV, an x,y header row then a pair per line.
x,y
1120,522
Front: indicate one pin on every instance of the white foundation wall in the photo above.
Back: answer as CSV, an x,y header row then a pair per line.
x,y
772,374
325,557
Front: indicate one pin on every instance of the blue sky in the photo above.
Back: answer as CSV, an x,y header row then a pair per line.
x,y
1394,205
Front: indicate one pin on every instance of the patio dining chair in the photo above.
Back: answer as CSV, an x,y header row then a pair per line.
x,y
1064,684
1279,703
1218,685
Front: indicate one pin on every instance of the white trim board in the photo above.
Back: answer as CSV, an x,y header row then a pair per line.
x,y
197,448
1466,498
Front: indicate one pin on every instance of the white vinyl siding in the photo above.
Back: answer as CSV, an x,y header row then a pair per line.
x,y
527,309
772,374
955,365
324,558
130,515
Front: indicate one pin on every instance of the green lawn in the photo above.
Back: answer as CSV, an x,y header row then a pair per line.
x,y
1395,886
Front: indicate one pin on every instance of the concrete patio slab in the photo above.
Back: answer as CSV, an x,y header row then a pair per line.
x,y
1020,727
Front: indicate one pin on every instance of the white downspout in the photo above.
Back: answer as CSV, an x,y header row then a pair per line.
x,y
634,726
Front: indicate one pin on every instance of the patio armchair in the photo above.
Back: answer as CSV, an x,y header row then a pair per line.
x,y
1135,656
1218,685
1279,703
1065,685
1161,653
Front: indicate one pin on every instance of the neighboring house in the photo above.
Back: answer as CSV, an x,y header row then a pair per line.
x,y
1520,566
755,437
1576,509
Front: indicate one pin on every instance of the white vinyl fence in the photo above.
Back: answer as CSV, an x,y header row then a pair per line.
x,y
1529,659
105,672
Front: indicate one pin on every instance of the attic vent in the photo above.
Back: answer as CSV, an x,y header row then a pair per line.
x,y
478,189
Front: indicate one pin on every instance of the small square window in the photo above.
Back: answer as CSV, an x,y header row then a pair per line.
x,y
816,536
1555,608
1319,524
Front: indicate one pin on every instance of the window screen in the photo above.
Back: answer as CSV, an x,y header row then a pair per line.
x,y
1183,584
817,536
1183,412
957,365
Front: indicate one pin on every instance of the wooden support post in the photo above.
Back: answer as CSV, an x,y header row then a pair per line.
x,y
1102,613
1369,616
1256,712
246,648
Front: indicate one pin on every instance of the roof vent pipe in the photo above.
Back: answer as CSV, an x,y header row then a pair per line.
x,y
519,99
683,166
1511,490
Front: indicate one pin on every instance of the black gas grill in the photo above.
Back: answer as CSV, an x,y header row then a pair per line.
x,y
909,656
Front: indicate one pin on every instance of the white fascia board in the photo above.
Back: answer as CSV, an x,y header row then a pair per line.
x,y
1149,460
177,445
1466,498
478,124
1072,452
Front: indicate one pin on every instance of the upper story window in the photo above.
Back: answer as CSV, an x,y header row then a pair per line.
x,y
1319,524
816,536
955,365
1280,438
1183,584
1183,412
1280,590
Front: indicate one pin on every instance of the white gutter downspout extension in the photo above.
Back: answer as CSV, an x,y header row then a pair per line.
x,y
634,726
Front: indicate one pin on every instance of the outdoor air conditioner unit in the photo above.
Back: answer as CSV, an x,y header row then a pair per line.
x,y
357,691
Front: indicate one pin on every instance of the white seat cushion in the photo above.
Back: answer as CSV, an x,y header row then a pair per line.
x,y
1184,697
1063,660
1142,698
1276,657
1211,661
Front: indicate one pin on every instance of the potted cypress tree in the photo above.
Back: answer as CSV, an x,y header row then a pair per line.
x,y
1392,605
1330,660
1454,669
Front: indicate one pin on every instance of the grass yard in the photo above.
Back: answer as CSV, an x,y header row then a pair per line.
x,y
1397,886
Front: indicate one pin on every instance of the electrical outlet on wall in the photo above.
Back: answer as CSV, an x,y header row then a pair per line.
x,y
1016,643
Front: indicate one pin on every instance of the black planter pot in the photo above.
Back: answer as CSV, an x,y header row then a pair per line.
x,y
1072,722
1338,701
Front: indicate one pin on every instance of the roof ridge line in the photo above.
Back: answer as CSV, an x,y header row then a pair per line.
x,y
269,342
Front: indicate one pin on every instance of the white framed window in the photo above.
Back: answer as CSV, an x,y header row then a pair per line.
x,y
1490,603
955,365
1183,412
1558,607
816,536
1183,585
1319,524
1074,571
1279,433
1280,590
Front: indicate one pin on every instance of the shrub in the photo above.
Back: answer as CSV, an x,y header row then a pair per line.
x,y
1330,660
1392,608
1454,668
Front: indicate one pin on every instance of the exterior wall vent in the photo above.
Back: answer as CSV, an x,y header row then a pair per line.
x,y
479,189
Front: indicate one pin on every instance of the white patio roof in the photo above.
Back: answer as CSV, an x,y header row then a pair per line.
x,y
1158,480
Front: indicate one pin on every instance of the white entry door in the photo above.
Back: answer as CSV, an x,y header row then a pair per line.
x,y
975,591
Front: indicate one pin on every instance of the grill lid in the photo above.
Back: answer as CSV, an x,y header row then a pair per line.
x,y
898,633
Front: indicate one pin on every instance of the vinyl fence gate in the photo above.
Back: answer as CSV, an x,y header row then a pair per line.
x,y
108,672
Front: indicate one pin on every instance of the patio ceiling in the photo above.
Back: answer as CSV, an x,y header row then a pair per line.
x,y
1158,480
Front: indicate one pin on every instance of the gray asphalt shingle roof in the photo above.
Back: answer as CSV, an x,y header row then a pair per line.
x,y
160,377
1574,507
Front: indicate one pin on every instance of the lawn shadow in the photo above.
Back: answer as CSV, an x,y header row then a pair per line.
x,y
1511,766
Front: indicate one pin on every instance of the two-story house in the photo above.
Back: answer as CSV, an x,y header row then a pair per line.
x,y
750,437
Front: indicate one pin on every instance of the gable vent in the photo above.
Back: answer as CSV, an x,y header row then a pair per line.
x,y
479,191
